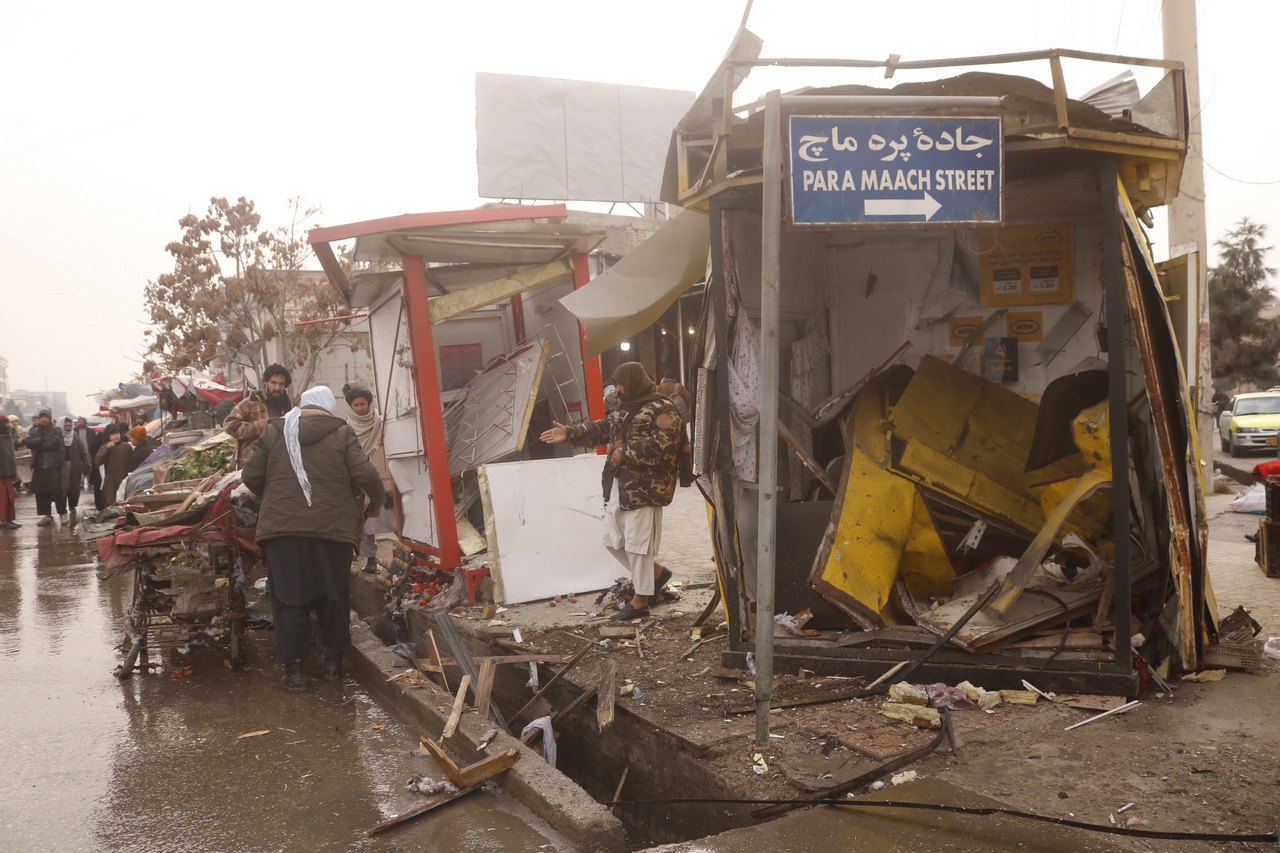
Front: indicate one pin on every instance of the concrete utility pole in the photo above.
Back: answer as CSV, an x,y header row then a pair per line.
x,y
1187,230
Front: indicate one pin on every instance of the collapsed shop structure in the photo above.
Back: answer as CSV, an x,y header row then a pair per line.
x,y
958,391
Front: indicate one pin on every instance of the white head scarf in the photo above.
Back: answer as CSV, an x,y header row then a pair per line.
x,y
320,397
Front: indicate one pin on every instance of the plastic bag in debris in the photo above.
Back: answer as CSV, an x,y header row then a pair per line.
x,y
548,738
429,787
1272,648
452,596
1252,500
793,625
944,696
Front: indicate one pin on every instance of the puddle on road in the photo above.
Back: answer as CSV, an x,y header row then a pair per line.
x,y
155,763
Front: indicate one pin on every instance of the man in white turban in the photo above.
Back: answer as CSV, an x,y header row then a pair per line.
x,y
313,479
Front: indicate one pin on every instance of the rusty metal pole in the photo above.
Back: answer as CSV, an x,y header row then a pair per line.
x,y
770,310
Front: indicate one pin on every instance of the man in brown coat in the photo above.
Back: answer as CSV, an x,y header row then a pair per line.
x,y
309,472
249,419
113,455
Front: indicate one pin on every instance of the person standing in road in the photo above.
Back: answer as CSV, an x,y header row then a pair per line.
x,y
363,419
639,477
140,448
8,472
48,449
113,455
309,472
75,466
247,421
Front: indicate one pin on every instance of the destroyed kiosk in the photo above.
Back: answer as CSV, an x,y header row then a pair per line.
x,y
934,328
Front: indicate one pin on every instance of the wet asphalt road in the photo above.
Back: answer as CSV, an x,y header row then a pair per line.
x,y
156,763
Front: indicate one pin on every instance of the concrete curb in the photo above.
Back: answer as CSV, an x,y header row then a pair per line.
x,y
545,791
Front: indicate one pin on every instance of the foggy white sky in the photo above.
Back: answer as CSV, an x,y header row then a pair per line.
x,y
117,119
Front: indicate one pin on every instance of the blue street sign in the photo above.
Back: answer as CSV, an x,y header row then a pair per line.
x,y
895,169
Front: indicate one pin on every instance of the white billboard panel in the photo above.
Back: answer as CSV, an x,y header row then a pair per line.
x,y
567,140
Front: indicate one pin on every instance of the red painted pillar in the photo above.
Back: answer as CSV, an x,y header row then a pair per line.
x,y
426,385
590,369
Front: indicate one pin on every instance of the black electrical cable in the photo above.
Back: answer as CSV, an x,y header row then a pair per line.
x,y
1262,837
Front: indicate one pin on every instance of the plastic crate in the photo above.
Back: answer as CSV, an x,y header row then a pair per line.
x,y
1245,656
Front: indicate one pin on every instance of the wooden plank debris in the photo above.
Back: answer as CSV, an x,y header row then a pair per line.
x,y
607,692
459,704
429,639
472,774
421,810
484,692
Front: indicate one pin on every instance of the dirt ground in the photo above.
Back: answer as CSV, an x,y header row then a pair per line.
x,y
1203,759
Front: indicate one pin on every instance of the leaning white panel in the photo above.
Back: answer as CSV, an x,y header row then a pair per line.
x,y
542,520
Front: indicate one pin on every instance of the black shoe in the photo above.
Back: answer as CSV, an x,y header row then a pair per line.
x,y
1252,537
294,681
660,583
626,611
371,566
10,525
332,665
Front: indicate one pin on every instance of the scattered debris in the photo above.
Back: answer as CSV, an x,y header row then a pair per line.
x,y
759,767
254,734
1128,706
904,777
913,714
1205,675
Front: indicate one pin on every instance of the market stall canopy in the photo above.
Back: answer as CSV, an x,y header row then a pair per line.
x,y
462,248
148,401
194,384
633,293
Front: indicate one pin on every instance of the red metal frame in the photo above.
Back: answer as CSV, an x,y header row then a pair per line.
x,y
517,317
426,385
320,238
590,369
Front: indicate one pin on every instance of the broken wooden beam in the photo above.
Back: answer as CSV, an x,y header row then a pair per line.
x,y
472,774
421,810
459,704
484,690
429,640
542,691
608,692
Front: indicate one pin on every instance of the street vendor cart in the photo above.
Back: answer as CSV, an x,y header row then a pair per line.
x,y
192,577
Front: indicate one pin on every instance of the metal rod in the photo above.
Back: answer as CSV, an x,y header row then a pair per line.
x,y
991,59
883,102
1117,311
770,310
720,443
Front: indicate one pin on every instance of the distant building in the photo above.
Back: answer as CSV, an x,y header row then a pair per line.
x,y
31,402
4,378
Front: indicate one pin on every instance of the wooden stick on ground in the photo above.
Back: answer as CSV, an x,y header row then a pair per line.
x,y
459,703
529,738
434,652
617,792
421,810
542,691
608,692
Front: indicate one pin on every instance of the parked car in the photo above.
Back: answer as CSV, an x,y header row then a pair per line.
x,y
1250,422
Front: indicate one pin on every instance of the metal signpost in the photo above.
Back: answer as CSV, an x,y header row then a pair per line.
x,y
899,170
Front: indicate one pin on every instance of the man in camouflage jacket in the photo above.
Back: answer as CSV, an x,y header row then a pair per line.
x,y
639,479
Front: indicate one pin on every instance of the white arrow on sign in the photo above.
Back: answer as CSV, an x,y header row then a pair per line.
x,y
925,207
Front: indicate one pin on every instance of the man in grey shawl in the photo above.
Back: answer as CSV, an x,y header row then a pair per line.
x,y
363,418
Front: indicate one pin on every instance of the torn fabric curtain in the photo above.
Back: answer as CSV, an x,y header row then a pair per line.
x,y
633,294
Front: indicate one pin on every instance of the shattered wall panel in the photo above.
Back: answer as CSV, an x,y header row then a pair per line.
x,y
543,522
491,417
